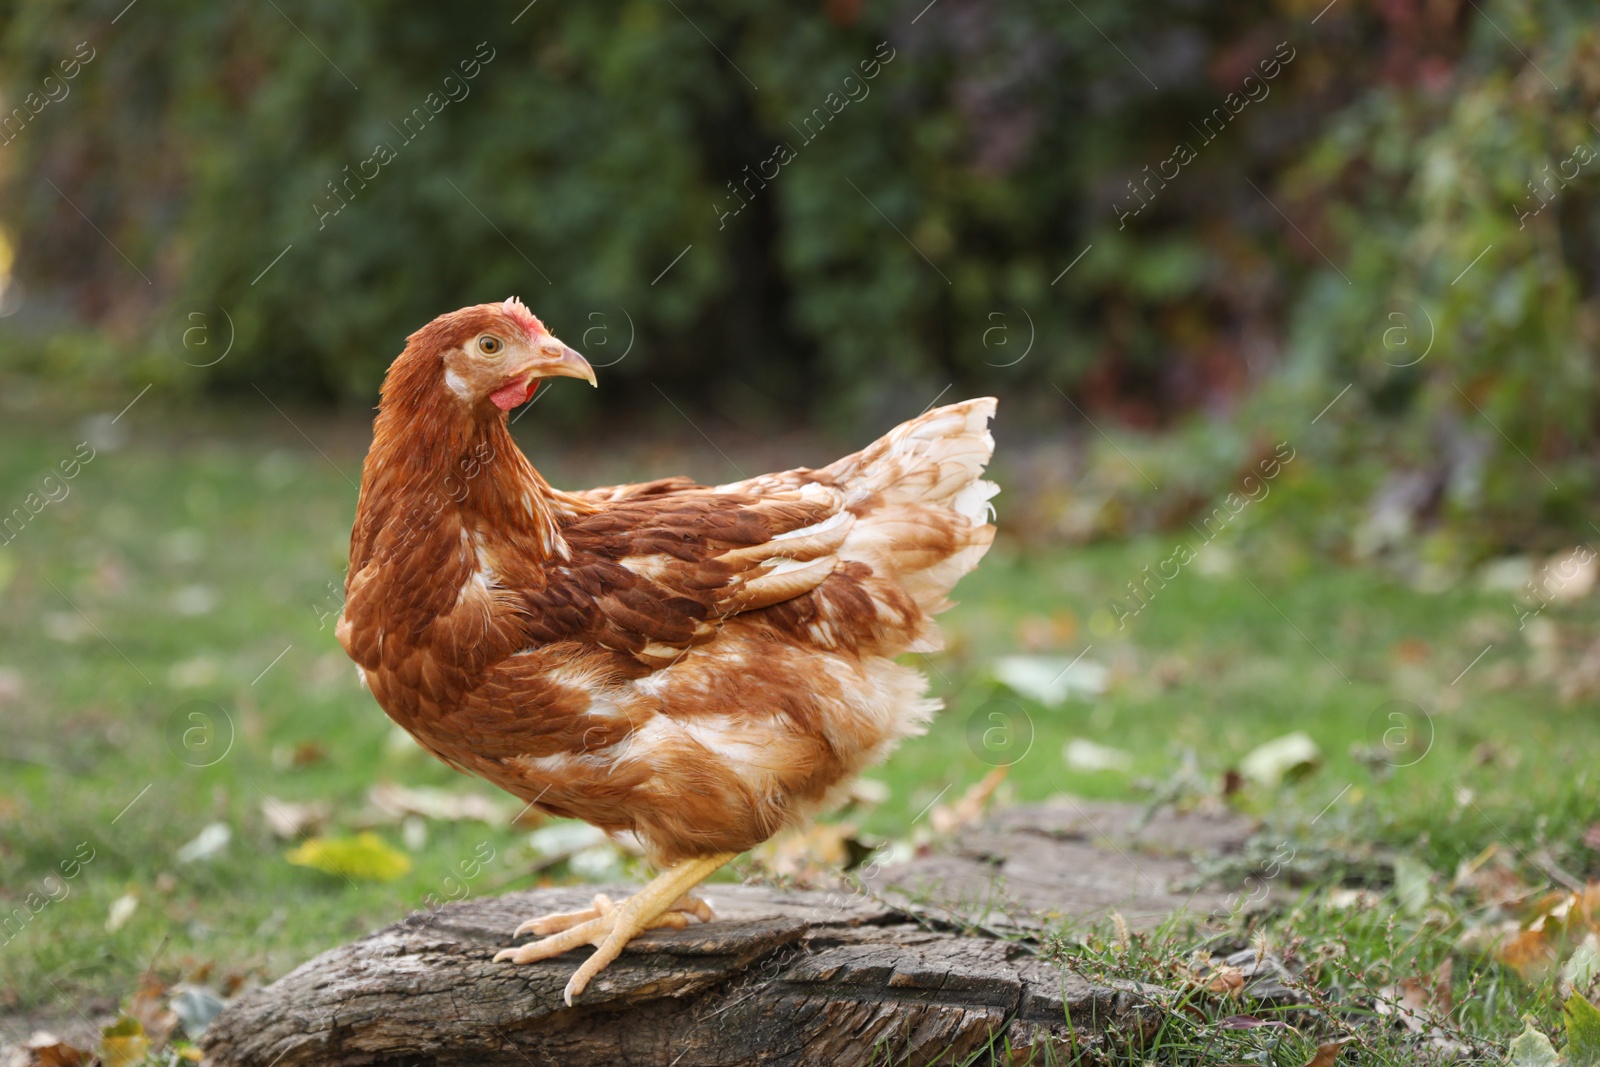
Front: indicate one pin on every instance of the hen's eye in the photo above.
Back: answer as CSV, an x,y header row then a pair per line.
x,y
489,345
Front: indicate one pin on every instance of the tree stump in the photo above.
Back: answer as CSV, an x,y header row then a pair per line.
x,y
910,972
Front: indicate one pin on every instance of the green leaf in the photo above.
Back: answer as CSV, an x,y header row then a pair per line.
x,y
364,856
1531,1048
1583,1032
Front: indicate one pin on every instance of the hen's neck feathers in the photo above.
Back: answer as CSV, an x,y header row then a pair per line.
x,y
437,465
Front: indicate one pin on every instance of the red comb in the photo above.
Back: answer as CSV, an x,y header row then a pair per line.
x,y
522,316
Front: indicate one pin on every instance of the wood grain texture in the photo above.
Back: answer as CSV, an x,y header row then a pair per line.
x,y
795,978
791,978
1072,861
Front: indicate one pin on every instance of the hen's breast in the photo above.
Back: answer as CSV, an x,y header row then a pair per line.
x,y
739,738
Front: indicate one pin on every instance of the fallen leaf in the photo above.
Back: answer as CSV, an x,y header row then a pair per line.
x,y
1578,974
121,911
195,1006
562,839
601,863
1468,869
1411,884
1440,987
1583,1032
306,753
1528,952
154,1017
1327,1053
1084,755
1052,679
1531,1048
1411,650
813,854
587,850
290,820
1227,981
364,856
1037,633
1344,899
1508,574
1591,837
47,1050
868,792
1552,922
1421,1003
970,807
1215,560
123,1044
206,844
1492,877
398,801
1283,757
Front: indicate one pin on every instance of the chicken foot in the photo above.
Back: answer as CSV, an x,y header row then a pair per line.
x,y
610,926
676,916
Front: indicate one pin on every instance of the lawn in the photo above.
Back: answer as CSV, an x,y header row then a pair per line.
x,y
168,664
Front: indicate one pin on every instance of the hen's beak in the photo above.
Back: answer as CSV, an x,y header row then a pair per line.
x,y
556,360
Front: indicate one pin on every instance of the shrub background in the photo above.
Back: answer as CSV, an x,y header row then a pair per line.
x,y
1000,141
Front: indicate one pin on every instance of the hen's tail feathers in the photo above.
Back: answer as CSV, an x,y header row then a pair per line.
x,y
921,504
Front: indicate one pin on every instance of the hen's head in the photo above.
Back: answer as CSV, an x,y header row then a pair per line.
x,y
487,354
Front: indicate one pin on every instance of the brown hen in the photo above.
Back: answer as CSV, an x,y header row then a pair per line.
x,y
697,666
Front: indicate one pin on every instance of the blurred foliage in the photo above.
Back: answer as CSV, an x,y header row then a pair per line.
x,y
1460,204
602,140
917,240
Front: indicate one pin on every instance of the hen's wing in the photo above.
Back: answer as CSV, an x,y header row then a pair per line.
x,y
651,574
611,494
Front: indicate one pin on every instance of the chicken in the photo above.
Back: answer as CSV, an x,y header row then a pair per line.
x,y
700,667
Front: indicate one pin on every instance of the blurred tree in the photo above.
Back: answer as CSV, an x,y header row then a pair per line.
x,y
1462,195
798,209
785,212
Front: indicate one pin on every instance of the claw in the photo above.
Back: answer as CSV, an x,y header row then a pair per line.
x,y
565,920
609,925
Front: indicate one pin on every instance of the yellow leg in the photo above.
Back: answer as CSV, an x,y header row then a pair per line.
x,y
609,927
676,916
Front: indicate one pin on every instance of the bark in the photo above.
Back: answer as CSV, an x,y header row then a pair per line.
x,y
932,966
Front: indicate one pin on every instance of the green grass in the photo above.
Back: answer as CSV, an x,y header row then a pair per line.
x,y
106,646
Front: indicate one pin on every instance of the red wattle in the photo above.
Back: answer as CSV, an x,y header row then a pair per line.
x,y
509,396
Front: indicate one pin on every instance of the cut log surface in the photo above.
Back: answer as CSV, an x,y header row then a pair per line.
x,y
930,963
1071,862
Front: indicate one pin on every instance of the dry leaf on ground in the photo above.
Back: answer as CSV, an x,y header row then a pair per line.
x,y
47,1050
1421,1004
815,854
967,810
397,801
291,821
1327,1053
